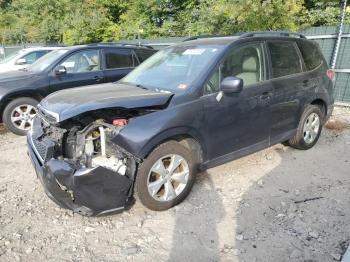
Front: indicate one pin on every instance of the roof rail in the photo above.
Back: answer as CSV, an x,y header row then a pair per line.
x,y
130,44
55,45
272,33
120,44
203,36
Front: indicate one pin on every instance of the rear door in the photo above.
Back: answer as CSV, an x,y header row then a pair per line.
x,y
83,67
289,80
118,63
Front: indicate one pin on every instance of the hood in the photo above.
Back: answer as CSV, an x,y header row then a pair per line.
x,y
72,102
10,67
15,79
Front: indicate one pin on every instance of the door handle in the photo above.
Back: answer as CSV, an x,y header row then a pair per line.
x,y
98,78
265,96
306,83
264,99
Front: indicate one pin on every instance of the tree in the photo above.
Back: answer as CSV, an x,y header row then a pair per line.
x,y
86,21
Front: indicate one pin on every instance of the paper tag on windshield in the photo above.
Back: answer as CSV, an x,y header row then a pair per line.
x,y
196,51
182,86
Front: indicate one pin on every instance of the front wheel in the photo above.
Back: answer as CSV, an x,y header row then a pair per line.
x,y
166,176
309,129
18,115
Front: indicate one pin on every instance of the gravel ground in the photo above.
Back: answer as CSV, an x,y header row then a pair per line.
x,y
279,204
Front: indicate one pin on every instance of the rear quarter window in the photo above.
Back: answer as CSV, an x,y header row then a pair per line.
x,y
285,59
144,54
311,54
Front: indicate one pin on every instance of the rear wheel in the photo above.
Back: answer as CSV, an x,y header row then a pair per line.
x,y
18,115
166,176
309,128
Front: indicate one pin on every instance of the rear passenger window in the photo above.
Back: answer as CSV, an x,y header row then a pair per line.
x,y
285,59
311,54
118,59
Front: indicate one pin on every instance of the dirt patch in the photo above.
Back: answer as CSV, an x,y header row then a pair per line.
x,y
3,130
337,125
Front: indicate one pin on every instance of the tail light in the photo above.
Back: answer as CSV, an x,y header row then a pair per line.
x,y
331,74
120,122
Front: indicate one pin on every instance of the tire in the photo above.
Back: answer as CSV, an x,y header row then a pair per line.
x,y
167,151
16,108
301,140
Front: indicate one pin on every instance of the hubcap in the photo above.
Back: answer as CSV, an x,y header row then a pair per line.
x,y
22,116
168,177
311,128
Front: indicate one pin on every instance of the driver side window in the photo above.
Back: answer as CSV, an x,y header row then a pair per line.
x,y
82,62
245,62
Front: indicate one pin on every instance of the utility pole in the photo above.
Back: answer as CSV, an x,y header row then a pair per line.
x,y
340,33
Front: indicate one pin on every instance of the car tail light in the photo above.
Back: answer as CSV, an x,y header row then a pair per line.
x,y
120,122
331,74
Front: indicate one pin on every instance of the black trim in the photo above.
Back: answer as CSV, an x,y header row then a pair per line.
x,y
234,155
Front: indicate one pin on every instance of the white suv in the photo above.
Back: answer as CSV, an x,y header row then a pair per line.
x,y
24,57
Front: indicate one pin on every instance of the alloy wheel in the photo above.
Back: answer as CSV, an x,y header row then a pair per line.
x,y
311,128
168,177
22,116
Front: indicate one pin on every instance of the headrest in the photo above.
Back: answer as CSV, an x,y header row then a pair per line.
x,y
249,64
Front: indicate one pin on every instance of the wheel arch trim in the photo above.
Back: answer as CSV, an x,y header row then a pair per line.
x,y
178,134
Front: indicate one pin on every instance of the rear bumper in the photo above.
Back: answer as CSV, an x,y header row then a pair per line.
x,y
93,191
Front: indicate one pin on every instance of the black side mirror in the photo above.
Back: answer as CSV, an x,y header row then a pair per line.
x,y
21,61
231,84
60,70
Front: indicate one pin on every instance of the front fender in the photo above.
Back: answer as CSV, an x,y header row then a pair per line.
x,y
144,133
183,131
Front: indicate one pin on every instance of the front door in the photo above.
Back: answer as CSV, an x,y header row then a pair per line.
x,y
82,68
238,122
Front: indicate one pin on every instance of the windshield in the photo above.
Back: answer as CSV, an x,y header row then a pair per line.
x,y
45,61
10,57
173,68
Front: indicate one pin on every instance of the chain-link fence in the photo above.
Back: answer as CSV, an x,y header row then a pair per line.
x,y
326,36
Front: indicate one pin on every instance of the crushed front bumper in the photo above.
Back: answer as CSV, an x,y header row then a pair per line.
x,y
87,191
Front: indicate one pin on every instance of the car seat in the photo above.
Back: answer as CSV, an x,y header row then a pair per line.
x,y
250,72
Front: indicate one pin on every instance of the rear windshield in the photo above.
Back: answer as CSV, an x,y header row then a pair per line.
x,y
311,54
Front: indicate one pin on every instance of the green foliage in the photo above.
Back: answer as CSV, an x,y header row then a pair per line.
x,y
325,13
85,21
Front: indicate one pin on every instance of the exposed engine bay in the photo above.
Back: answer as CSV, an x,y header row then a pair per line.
x,y
79,157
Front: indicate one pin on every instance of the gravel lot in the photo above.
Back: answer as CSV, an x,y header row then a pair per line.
x,y
279,204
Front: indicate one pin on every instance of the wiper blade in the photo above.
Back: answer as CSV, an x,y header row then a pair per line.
x,y
141,86
132,84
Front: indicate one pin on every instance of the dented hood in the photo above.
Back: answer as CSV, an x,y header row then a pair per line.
x,y
72,102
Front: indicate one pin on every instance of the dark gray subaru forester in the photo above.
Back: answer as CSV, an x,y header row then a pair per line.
x,y
189,107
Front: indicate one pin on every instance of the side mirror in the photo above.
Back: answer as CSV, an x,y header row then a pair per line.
x,y
21,61
231,84
60,70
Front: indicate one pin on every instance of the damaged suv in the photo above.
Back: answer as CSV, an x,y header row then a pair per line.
x,y
189,107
